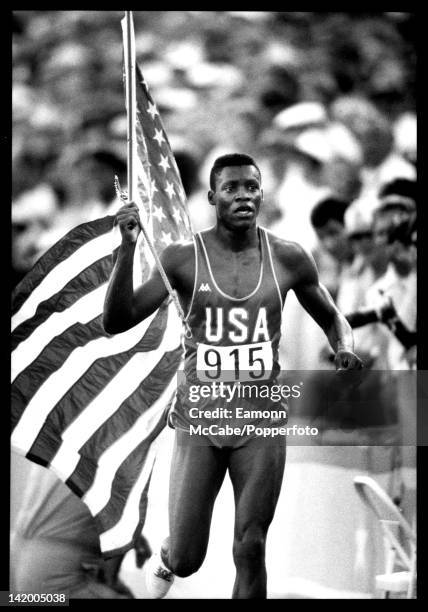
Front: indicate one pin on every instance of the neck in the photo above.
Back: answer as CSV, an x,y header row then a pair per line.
x,y
237,240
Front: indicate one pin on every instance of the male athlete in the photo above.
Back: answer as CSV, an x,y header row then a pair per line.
x,y
232,281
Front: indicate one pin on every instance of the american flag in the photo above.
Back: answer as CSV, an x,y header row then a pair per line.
x,y
87,405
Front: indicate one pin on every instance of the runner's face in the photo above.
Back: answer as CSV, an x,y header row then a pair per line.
x,y
237,196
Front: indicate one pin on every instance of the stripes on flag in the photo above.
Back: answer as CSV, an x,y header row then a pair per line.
x,y
87,405
88,280
83,245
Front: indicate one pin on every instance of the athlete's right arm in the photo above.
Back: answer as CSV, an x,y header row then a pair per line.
x,y
124,307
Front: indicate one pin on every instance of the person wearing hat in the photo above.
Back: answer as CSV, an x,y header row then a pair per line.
x,y
394,290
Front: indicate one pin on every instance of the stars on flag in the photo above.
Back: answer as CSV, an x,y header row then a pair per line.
x,y
154,188
177,215
164,162
159,137
158,213
166,238
152,110
169,189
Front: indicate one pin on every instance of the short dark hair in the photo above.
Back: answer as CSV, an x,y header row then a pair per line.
x,y
328,208
231,159
399,186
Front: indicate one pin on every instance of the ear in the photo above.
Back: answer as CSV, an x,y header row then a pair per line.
x,y
261,192
211,197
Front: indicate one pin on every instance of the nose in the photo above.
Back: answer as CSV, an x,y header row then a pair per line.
x,y
243,195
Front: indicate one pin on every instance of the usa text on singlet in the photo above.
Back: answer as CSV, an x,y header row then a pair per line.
x,y
235,339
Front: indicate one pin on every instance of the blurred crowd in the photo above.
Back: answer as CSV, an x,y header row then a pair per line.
x,y
325,102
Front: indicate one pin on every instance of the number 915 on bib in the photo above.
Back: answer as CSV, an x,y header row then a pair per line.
x,y
244,362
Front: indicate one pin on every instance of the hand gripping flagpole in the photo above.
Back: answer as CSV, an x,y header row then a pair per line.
x,y
129,44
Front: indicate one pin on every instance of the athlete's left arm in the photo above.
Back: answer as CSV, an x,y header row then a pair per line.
x,y
317,301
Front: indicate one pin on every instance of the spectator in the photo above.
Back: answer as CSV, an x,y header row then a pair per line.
x,y
397,210
304,152
365,268
89,191
392,260
32,214
405,136
327,219
381,161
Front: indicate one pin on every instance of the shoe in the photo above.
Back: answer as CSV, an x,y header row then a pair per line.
x,y
159,578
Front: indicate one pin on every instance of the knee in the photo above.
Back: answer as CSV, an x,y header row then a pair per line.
x,y
183,565
249,547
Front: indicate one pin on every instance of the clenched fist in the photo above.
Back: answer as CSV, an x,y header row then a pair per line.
x,y
128,219
347,360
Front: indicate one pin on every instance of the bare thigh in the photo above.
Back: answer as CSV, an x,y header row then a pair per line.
x,y
256,471
197,473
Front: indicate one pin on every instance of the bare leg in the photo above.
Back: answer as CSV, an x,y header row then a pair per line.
x,y
197,473
256,471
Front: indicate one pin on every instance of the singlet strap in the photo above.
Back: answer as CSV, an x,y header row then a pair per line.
x,y
269,262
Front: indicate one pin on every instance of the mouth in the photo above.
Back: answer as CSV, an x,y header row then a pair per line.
x,y
244,212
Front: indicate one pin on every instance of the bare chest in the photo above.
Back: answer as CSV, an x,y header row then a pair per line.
x,y
236,274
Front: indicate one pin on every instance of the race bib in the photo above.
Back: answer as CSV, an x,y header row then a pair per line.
x,y
245,362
